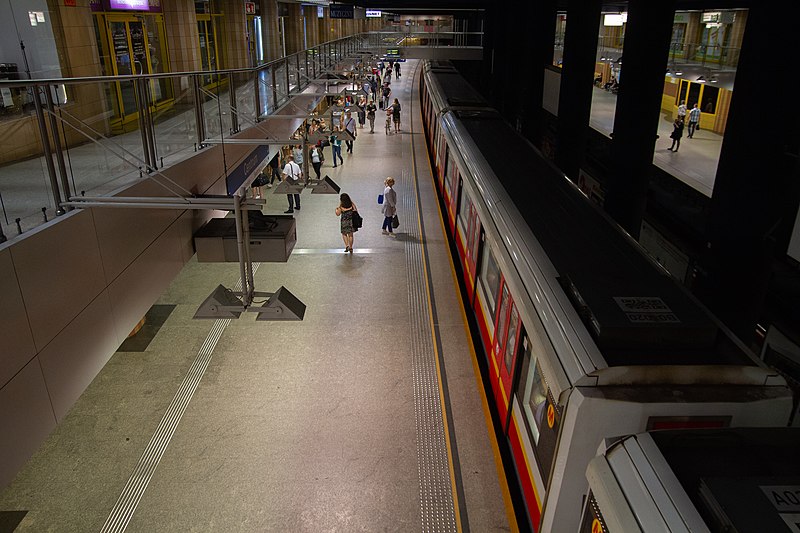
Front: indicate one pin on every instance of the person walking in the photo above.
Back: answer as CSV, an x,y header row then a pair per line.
x,y
374,89
362,111
386,92
345,213
274,173
371,109
336,146
396,114
292,173
682,111
397,70
389,208
677,133
381,66
351,128
316,160
694,120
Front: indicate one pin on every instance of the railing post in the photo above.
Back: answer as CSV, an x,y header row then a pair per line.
x,y
151,130
307,73
198,111
137,88
274,89
286,70
257,96
62,168
297,71
232,94
48,155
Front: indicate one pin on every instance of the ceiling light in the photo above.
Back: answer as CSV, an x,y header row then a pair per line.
x,y
701,79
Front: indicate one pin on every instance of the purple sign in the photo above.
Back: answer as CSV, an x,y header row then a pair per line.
x,y
130,5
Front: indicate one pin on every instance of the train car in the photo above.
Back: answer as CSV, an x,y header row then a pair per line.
x,y
721,480
585,337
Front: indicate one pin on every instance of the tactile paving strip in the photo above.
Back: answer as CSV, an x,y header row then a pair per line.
x,y
133,491
437,507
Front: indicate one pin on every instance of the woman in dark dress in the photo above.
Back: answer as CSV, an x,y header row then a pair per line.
x,y
677,133
345,212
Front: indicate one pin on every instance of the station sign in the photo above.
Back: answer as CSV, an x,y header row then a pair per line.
x,y
341,11
373,13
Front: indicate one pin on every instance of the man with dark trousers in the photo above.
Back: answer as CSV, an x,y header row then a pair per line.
x,y
292,173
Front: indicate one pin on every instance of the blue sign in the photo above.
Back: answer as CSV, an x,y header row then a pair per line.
x,y
341,11
245,169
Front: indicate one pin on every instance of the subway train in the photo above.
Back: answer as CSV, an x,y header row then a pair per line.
x,y
712,480
584,337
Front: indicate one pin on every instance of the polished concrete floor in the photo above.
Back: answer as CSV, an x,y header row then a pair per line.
x,y
289,426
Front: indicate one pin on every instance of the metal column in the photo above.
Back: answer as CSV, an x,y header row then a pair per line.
x,y
48,155
234,112
274,89
148,123
198,111
137,87
62,168
257,97
286,69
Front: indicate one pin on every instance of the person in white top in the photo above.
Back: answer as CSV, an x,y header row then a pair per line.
x,y
292,173
350,126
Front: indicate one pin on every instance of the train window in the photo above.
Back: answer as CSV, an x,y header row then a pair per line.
x,y
535,396
501,316
511,345
463,209
490,279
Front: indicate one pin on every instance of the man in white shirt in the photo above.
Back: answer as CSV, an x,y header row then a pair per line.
x,y
292,173
350,126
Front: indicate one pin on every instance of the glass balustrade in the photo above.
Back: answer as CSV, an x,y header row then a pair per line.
x,y
112,129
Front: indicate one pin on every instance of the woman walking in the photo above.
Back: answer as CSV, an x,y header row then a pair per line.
x,y
345,212
396,115
336,146
677,133
316,160
389,208
371,109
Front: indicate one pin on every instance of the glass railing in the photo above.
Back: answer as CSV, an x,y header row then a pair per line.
x,y
114,130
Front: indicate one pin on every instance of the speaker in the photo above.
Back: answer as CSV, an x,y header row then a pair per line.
x,y
213,306
282,305
285,187
326,186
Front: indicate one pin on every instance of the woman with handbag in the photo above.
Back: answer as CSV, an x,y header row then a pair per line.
x,y
347,211
389,208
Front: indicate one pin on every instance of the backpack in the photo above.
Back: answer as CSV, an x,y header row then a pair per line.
x,y
386,91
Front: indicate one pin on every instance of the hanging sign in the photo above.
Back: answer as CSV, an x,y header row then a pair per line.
x,y
341,11
250,8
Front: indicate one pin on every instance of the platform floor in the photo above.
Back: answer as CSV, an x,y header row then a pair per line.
x,y
329,424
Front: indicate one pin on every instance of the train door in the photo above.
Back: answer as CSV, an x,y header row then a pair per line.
x,y
468,237
504,349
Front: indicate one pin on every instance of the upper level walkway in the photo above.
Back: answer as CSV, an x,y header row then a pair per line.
x,y
366,416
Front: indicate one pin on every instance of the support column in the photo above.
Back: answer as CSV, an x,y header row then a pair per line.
x,y
645,56
183,39
293,26
234,34
575,95
756,189
269,29
542,15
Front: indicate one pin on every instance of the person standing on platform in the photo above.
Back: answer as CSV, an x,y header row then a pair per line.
x,y
389,208
371,109
336,146
292,173
397,70
682,111
694,120
677,133
374,89
316,160
388,76
396,115
362,111
350,127
274,173
381,66
386,92
345,212
297,152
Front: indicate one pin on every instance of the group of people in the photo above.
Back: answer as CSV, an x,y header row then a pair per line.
x,y
679,123
347,209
